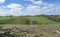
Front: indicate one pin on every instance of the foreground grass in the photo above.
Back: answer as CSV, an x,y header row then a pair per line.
x,y
36,30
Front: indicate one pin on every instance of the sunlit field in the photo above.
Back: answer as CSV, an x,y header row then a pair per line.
x,y
27,20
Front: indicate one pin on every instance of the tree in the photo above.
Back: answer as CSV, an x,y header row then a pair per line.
x,y
11,15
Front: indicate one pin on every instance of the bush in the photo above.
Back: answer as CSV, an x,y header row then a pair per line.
x,y
27,21
2,23
11,15
34,22
39,23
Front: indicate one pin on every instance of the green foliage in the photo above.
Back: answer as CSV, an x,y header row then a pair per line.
x,y
34,22
54,18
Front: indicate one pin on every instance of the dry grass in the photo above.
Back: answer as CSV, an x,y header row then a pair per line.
x,y
37,30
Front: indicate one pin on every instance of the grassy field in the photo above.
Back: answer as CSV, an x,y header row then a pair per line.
x,y
33,30
42,20
13,20
19,27
23,20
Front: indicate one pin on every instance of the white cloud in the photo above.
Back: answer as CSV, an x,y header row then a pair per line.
x,y
35,2
2,1
12,9
16,9
31,10
13,6
38,2
41,3
30,0
36,8
39,7
3,12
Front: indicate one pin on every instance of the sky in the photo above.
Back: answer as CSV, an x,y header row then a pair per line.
x,y
29,7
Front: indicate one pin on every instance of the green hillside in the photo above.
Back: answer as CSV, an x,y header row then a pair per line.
x,y
43,20
13,20
25,20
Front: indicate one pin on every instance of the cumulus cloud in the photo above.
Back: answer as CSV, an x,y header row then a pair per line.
x,y
16,9
38,7
35,1
38,2
11,9
37,10
3,11
2,1
14,6
32,10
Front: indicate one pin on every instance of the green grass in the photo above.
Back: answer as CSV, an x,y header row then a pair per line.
x,y
13,20
43,20
22,20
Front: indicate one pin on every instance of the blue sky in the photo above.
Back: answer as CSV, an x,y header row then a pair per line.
x,y
29,7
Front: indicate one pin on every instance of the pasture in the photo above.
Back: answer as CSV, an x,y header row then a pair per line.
x,y
26,20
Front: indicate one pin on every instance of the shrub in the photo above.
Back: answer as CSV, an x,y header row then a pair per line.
x,y
11,15
27,21
2,23
34,22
